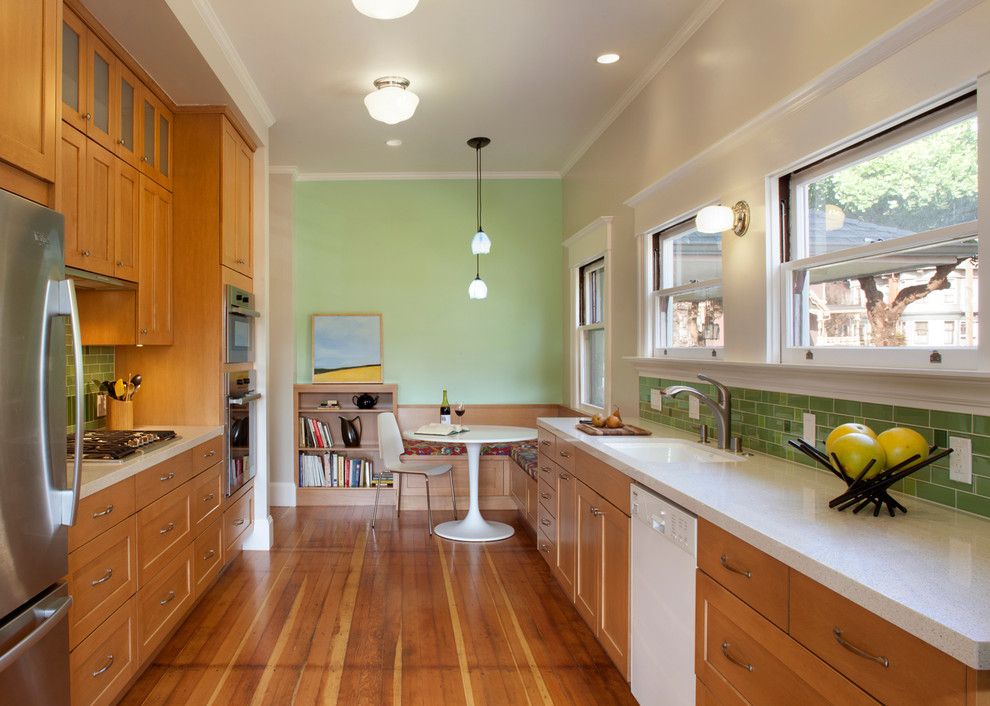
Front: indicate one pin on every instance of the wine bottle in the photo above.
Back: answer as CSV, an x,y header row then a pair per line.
x,y
444,409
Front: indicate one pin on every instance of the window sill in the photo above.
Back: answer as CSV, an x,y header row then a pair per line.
x,y
951,390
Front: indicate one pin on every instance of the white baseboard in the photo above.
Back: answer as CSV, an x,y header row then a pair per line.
x,y
282,494
262,537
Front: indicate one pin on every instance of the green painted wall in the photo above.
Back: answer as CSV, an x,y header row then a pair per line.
x,y
402,248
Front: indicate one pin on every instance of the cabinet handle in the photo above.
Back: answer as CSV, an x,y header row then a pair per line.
x,y
167,599
564,454
239,261
724,561
120,263
86,253
167,528
120,142
106,666
167,477
596,512
735,660
882,661
544,469
87,116
144,332
210,454
545,442
545,522
210,554
563,476
103,579
545,496
208,498
103,513
239,521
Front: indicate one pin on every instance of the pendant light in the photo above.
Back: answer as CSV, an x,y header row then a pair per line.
x,y
481,244
385,9
391,102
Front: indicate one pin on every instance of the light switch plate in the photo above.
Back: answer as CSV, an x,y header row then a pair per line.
x,y
961,460
656,400
694,408
808,434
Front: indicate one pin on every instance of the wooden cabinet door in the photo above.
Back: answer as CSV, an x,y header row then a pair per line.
x,y
566,540
163,159
156,139
96,233
101,81
244,251
127,117
154,305
587,568
127,221
236,210
28,88
70,188
613,619
75,72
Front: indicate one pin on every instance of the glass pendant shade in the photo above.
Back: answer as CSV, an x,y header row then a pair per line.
x,y
714,219
385,9
478,289
481,244
391,102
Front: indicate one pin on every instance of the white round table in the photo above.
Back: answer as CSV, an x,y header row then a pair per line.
x,y
474,527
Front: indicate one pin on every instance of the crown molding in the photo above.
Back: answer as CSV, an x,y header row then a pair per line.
x,y
424,176
680,38
274,170
223,40
590,228
926,20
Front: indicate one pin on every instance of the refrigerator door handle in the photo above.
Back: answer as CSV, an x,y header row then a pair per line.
x,y
50,615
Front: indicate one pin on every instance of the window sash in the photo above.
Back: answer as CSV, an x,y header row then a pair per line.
x,y
584,358
664,324
591,300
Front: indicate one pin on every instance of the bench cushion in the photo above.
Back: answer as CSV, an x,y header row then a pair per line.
x,y
523,453
525,456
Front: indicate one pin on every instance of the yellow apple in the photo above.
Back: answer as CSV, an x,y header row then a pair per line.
x,y
855,451
900,444
842,430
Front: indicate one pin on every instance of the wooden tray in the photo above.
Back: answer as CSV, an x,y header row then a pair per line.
x,y
626,430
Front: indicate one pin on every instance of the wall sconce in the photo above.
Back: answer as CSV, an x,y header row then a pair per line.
x,y
718,219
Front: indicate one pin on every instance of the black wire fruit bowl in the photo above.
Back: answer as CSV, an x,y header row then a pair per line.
x,y
861,491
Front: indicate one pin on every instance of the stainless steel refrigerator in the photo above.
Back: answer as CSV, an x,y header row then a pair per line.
x,y
38,492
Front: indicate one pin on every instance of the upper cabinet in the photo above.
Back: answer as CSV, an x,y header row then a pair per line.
x,y
128,117
89,82
235,193
28,85
156,139
75,85
154,297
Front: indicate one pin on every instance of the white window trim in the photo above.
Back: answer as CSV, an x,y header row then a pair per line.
x,y
907,357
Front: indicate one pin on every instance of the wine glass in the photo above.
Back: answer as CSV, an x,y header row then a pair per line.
x,y
459,411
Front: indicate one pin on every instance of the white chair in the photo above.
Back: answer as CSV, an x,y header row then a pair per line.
x,y
391,449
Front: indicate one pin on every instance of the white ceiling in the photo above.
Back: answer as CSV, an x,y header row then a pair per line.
x,y
522,72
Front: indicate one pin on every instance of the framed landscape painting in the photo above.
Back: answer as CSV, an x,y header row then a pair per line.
x,y
347,348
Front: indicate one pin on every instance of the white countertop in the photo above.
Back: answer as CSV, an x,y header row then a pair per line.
x,y
927,572
97,475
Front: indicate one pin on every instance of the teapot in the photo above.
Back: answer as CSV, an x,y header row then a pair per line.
x,y
365,401
350,431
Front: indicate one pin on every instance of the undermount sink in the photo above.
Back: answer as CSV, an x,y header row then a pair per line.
x,y
669,451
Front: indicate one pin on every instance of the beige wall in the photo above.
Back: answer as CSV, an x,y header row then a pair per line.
x,y
748,57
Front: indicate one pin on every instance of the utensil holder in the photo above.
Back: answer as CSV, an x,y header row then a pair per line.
x,y
120,414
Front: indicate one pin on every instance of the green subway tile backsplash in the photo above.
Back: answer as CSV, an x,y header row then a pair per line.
x,y
98,364
766,420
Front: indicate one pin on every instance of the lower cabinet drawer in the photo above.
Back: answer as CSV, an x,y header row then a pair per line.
x,y
546,547
548,495
740,653
162,603
546,522
208,556
100,511
207,496
892,665
102,576
236,521
103,664
164,528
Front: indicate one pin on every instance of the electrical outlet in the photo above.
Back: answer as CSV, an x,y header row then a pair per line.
x,y
656,400
961,460
694,408
101,405
808,434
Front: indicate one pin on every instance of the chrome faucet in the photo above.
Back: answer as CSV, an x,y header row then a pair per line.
x,y
722,409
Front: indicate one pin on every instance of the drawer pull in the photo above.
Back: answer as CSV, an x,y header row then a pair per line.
x,y
208,498
103,579
544,469
595,511
167,599
167,528
882,661
724,561
209,555
735,660
106,667
544,442
239,521
171,474
564,454
545,496
545,522
563,476
104,512
210,454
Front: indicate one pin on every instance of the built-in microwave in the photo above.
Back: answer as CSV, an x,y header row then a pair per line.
x,y
241,316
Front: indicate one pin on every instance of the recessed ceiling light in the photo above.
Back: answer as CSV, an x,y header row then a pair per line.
x,y
393,143
608,58
385,9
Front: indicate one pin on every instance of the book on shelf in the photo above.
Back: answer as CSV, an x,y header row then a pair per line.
x,y
333,470
314,434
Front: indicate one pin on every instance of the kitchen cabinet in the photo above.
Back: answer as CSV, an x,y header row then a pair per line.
x,y
127,117
235,193
154,295
156,139
127,221
94,251
69,192
566,540
28,85
75,71
90,74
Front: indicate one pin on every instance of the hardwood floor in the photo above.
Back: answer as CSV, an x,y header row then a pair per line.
x,y
338,612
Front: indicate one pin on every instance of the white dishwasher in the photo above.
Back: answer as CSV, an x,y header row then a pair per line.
x,y
664,560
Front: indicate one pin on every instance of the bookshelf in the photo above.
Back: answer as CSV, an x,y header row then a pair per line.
x,y
308,405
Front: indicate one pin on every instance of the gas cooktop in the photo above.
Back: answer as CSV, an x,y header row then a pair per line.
x,y
117,445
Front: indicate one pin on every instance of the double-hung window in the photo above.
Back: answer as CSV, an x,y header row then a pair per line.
x,y
881,248
591,333
687,289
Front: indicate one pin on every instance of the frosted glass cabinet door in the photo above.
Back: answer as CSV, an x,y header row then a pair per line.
x,y
75,86
101,68
128,118
156,136
147,136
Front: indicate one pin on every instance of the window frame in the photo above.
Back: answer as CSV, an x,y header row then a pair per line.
x,y
791,199
659,330
583,327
